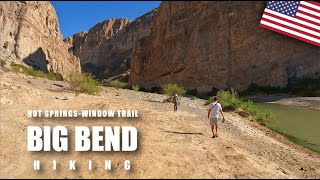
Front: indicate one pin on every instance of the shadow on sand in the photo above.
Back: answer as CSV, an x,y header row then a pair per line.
x,y
174,132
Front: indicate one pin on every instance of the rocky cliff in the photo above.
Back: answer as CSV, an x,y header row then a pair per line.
x,y
105,50
30,34
205,45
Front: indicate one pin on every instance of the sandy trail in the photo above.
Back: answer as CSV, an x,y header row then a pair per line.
x,y
171,144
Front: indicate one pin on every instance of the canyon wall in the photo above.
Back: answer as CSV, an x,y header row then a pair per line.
x,y
105,50
205,45
30,34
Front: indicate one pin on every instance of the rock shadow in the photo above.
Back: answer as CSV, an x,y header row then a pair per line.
x,y
37,60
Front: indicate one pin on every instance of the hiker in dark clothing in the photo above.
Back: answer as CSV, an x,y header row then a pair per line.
x,y
175,102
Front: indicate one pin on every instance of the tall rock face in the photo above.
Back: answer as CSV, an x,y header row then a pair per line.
x,y
105,50
205,45
30,34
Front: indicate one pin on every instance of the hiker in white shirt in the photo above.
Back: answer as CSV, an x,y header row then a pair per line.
x,y
214,112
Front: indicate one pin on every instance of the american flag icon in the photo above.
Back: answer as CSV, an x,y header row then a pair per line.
x,y
297,19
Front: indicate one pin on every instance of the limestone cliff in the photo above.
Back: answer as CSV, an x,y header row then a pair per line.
x,y
105,50
30,34
205,45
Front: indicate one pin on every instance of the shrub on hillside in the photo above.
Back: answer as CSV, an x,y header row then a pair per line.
x,y
117,84
2,63
135,87
171,89
84,83
36,73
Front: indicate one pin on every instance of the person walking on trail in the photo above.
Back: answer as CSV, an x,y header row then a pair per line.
x,y
214,112
175,102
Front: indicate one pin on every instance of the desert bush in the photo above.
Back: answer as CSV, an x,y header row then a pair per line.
x,y
171,89
117,84
84,83
135,87
2,63
264,116
36,73
54,76
230,100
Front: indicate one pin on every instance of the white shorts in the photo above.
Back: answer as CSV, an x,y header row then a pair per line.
x,y
213,121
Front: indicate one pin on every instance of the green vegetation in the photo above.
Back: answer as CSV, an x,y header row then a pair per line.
x,y
135,87
117,84
2,63
84,83
303,87
171,89
230,100
254,88
36,73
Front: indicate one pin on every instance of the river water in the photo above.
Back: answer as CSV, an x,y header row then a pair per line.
x,y
300,125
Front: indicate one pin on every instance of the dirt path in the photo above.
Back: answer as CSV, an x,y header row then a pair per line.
x,y
171,144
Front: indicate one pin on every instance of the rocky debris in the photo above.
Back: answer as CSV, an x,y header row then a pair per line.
x,y
243,113
206,45
7,87
30,34
123,77
64,98
105,50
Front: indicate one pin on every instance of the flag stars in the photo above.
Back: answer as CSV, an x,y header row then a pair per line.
x,y
288,8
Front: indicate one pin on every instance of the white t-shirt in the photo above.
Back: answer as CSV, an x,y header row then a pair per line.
x,y
215,108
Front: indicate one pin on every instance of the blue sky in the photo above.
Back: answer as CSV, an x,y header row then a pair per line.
x,y
76,16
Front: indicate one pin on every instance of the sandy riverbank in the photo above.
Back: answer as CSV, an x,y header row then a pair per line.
x,y
290,100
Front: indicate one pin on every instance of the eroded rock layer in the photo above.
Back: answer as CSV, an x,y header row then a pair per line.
x,y
205,45
105,50
30,34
